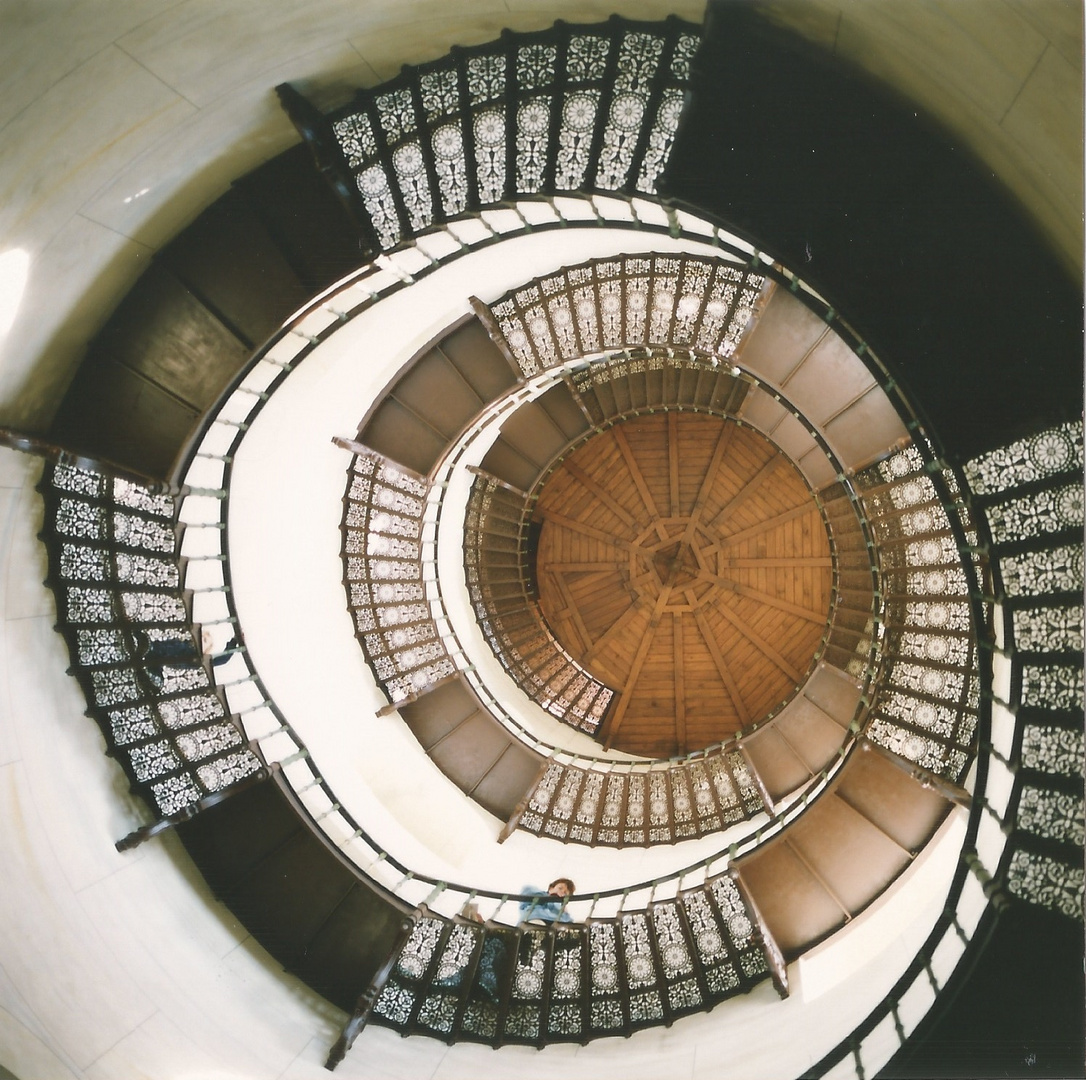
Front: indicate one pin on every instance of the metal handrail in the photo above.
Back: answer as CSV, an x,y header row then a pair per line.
x,y
308,337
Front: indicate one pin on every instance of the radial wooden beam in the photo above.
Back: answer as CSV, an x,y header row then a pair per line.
x,y
759,642
749,489
617,714
762,527
799,561
722,668
706,487
680,681
613,631
586,570
601,493
585,529
569,613
673,462
771,601
635,472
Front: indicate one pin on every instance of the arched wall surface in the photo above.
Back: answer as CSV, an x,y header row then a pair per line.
x,y
1005,76
118,123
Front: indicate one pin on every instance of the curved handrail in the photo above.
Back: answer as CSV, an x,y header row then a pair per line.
x,y
962,929
255,402
376,865
529,499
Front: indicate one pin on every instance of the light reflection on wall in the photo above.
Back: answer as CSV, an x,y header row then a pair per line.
x,y
14,269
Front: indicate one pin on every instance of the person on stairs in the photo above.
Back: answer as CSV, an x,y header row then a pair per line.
x,y
552,906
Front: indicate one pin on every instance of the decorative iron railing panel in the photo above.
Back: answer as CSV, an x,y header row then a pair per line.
x,y
928,695
510,619
1032,500
627,807
458,979
643,380
574,108
383,559
631,301
113,564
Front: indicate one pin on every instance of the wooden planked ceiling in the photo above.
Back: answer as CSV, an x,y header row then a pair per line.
x,y
683,560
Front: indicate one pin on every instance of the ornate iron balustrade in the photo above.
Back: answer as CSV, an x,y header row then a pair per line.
x,y
510,619
650,1005
687,302
574,108
114,567
1022,504
1057,590
383,555
457,979
1030,494
925,705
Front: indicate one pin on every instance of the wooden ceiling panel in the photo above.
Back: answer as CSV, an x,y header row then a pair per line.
x,y
682,560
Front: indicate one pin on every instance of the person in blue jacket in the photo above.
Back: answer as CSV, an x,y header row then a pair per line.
x,y
550,907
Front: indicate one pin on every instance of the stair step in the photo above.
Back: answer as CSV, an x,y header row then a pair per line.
x,y
228,260
161,359
110,412
350,947
304,218
227,843
436,395
480,362
299,900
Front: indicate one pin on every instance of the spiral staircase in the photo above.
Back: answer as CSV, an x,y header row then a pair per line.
x,y
940,691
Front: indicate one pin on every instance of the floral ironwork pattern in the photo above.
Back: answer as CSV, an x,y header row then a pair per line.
x,y
113,550
382,552
489,982
514,628
632,301
1031,496
525,117
929,692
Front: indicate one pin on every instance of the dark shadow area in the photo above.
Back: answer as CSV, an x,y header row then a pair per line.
x,y
891,220
1020,1013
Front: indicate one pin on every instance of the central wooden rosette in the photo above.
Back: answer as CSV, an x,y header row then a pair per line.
x,y
683,560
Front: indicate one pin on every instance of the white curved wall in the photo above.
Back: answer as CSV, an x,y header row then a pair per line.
x,y
1005,76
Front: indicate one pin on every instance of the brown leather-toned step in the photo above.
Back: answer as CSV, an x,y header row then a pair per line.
x,y
437,394
483,366
300,900
228,260
114,413
795,906
306,221
349,946
478,754
167,336
891,799
845,851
